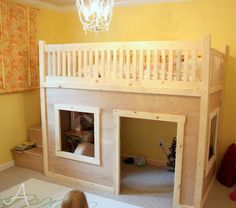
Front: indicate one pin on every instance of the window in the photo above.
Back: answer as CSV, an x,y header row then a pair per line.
x,y
212,139
212,146
77,132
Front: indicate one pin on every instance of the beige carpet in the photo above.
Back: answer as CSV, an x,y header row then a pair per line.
x,y
146,180
218,197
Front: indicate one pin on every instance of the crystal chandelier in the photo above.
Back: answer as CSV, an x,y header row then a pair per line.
x,y
95,15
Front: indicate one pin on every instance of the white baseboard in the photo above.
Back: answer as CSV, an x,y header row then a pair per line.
x,y
7,165
81,182
152,162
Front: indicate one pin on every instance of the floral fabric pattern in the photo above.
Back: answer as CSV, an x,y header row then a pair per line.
x,y
18,54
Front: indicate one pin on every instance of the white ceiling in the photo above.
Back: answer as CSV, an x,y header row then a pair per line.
x,y
119,2
69,5
60,2
69,2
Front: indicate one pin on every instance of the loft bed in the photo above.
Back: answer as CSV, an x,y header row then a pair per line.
x,y
161,80
165,67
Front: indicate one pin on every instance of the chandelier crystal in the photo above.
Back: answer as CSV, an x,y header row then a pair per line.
x,y
95,15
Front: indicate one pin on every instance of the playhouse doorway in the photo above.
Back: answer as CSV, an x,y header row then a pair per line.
x,y
145,147
123,172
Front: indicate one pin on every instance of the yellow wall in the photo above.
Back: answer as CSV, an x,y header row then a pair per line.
x,y
12,128
49,27
145,139
18,111
174,21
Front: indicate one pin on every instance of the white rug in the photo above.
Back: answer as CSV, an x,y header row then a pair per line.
x,y
42,194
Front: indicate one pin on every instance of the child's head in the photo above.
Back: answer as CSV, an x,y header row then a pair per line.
x,y
74,199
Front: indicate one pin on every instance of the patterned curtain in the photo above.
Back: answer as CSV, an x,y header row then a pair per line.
x,y
19,53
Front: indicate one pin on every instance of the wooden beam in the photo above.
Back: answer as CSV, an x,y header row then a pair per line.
x,y
203,124
43,101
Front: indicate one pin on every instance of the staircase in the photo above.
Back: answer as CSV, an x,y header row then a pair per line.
x,y
32,158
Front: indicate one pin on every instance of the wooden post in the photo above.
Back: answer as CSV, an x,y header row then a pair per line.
x,y
225,51
116,172
179,161
42,70
203,123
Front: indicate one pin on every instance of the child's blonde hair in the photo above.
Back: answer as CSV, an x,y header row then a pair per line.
x,y
74,199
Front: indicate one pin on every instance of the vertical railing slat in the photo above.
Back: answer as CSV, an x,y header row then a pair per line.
x,y
221,72
90,64
58,63
185,74
155,54
96,64
163,64
63,63
134,64
121,67
148,64
141,64
49,64
170,67
178,65
127,64
194,65
212,69
74,63
79,64
54,63
102,63
108,67
69,63
115,63
85,62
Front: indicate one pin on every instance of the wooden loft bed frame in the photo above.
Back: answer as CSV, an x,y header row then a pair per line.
x,y
156,73
173,67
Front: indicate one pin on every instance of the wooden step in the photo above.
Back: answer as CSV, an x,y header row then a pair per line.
x,y
35,134
31,159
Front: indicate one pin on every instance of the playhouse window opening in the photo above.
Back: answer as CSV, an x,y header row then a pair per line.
x,y
77,133
212,145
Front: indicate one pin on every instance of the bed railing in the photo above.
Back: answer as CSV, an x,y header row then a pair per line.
x,y
144,66
138,61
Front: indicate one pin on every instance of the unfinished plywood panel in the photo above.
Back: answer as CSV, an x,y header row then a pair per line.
x,y
215,101
108,101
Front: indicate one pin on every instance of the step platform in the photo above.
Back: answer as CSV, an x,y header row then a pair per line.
x,y
30,159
